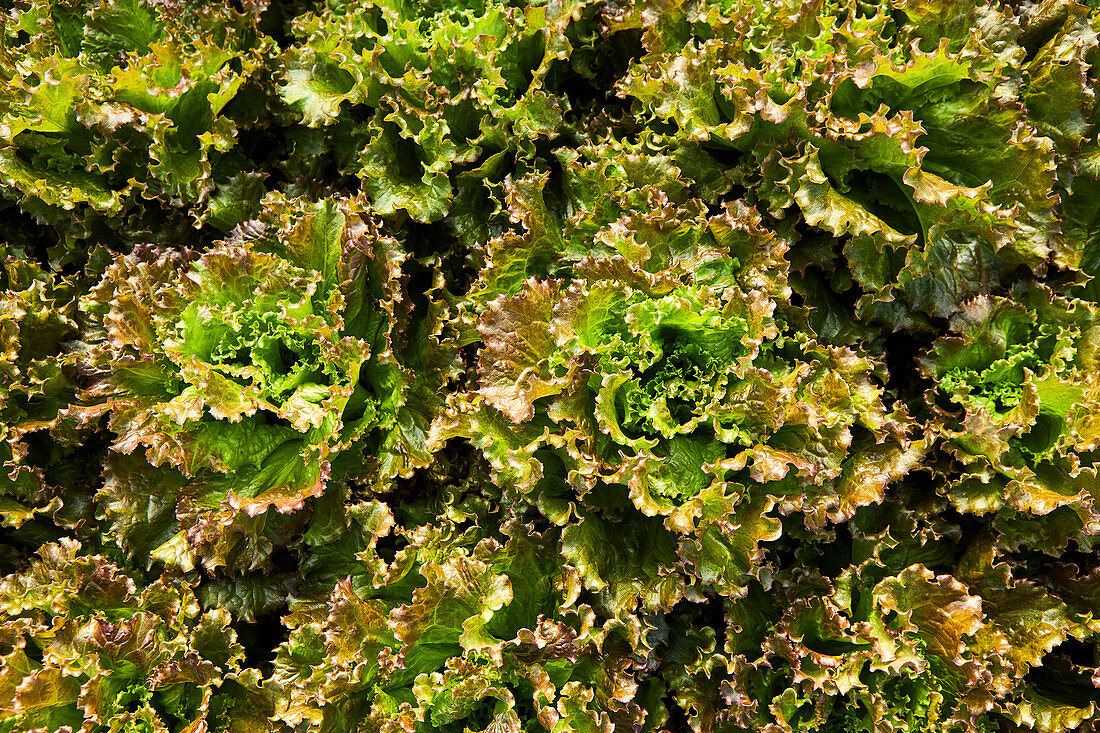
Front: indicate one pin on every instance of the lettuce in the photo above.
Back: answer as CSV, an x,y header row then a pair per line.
x,y
1017,398
45,477
537,367
907,137
633,365
252,376
461,629
440,86
87,647
116,117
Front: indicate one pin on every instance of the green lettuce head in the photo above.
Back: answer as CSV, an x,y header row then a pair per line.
x,y
464,630
253,374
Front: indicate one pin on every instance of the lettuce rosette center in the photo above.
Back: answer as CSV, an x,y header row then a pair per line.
x,y
267,331
671,357
665,399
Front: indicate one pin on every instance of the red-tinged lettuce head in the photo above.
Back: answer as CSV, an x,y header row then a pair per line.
x,y
115,115
83,645
689,403
865,631
932,140
441,85
464,630
638,386
642,350
254,373
1018,403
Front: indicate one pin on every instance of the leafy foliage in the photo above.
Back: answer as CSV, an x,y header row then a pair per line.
x,y
486,366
